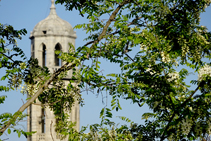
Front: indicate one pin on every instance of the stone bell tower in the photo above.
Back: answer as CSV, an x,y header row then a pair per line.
x,y
49,35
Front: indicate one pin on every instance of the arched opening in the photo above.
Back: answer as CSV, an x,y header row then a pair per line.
x,y
57,61
43,55
42,120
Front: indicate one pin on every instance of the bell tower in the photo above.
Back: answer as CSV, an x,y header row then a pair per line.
x,y
49,35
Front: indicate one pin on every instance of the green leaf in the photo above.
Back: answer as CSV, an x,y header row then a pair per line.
x,y
112,74
119,104
102,113
148,115
19,134
9,131
173,99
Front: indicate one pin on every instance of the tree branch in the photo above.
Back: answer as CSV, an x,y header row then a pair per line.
x,y
134,20
65,67
112,17
170,120
191,95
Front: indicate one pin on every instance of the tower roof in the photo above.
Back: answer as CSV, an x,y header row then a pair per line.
x,y
53,25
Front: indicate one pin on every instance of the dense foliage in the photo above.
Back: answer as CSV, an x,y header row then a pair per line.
x,y
156,44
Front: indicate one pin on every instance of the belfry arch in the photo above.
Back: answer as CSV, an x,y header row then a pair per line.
x,y
57,60
43,54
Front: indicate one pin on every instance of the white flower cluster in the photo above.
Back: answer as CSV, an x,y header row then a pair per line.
x,y
197,54
135,29
29,89
112,133
198,129
143,47
207,3
186,125
173,76
165,57
106,134
171,138
94,135
150,71
185,49
203,72
23,65
202,38
182,98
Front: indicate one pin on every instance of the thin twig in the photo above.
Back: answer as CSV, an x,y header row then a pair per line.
x,y
129,57
7,57
22,100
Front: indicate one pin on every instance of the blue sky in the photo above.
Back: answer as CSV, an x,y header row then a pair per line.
x,y
26,14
